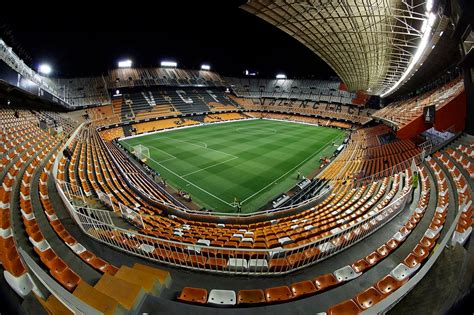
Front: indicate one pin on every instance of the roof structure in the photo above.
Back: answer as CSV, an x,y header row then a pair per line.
x,y
370,44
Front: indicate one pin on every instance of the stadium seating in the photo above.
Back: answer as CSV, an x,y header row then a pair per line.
x,y
99,167
401,113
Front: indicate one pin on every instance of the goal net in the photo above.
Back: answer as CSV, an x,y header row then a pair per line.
x,y
141,152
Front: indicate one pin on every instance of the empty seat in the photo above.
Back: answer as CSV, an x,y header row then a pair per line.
x,y
389,284
251,296
216,263
420,252
278,264
68,278
348,307
361,265
303,288
325,281
193,295
222,297
412,261
369,297
427,243
373,258
278,294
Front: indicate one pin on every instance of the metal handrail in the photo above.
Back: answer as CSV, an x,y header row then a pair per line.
x,y
94,223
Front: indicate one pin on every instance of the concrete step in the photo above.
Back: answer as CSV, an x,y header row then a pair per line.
x,y
163,275
98,300
148,281
129,295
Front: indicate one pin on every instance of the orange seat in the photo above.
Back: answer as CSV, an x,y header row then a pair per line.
x,y
197,260
97,263
389,284
278,264
251,296
47,257
216,263
373,258
361,265
86,255
278,294
392,244
383,251
325,281
412,261
420,252
369,297
427,243
303,288
110,269
348,307
296,259
193,295
68,278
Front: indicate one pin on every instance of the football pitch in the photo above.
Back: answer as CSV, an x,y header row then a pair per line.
x,y
252,161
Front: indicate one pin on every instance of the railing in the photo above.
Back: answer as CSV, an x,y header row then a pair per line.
x,y
246,261
73,303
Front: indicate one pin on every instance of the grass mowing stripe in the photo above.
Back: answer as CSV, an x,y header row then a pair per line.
x,y
266,150
210,194
292,169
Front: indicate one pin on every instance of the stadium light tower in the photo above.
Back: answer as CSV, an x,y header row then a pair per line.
x,y
169,64
45,69
281,76
205,67
125,63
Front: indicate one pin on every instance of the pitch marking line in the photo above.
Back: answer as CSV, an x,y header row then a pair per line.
x,y
202,147
184,179
292,169
166,160
205,168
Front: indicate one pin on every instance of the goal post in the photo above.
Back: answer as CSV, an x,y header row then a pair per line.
x,y
141,152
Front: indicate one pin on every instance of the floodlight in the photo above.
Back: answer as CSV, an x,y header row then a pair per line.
x,y
44,69
281,76
205,67
125,63
169,64
429,5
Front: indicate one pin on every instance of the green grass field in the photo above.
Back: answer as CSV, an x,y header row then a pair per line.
x,y
253,161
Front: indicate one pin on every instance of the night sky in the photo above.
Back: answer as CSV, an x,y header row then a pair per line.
x,y
89,42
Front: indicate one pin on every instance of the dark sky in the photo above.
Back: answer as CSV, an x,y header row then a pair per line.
x,y
89,41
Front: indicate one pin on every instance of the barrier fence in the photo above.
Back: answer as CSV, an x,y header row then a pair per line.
x,y
247,261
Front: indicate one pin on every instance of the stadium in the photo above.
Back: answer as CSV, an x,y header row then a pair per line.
x,y
326,166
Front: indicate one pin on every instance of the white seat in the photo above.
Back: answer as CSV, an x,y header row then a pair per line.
x,y
402,272
461,238
221,297
204,242
237,264
258,264
325,247
346,273
285,240
147,248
